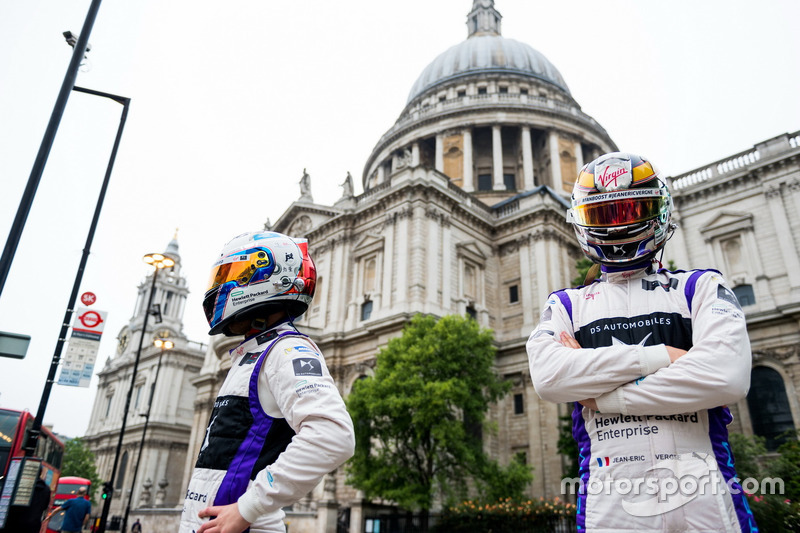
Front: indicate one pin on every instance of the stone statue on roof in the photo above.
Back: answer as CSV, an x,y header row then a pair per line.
x,y
347,186
305,187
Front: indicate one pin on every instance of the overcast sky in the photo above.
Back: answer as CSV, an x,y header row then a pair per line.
x,y
232,100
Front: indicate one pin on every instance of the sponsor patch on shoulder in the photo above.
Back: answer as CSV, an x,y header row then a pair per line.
x,y
306,366
725,309
724,293
301,350
547,314
267,336
249,358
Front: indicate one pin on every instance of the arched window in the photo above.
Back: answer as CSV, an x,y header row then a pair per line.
x,y
366,310
769,406
123,466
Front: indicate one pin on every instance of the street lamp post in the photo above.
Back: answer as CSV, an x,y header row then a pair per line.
x,y
34,433
158,261
164,345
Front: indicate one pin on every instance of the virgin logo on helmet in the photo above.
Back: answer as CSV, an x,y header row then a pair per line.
x,y
610,176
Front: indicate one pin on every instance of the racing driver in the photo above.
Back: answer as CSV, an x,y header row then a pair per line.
x,y
651,358
278,424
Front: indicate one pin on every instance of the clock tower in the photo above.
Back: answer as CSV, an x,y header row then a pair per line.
x,y
163,377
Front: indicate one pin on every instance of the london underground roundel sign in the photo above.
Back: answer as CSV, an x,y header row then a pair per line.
x,y
90,319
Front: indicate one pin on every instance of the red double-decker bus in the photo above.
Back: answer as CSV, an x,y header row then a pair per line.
x,y
14,428
68,487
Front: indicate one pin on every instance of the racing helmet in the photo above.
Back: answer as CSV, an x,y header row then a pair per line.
x,y
620,210
259,273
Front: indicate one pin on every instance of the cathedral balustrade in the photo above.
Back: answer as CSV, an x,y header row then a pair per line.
x,y
479,102
507,209
716,170
468,199
366,196
735,163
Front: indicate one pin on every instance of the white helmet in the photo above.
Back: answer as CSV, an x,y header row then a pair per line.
x,y
258,273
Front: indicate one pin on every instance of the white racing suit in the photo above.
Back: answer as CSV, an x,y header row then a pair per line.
x,y
277,427
655,455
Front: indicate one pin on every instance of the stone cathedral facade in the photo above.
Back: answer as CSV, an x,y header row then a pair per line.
x,y
463,211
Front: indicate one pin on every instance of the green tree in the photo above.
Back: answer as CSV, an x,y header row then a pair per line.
x,y
787,466
567,446
747,451
79,462
582,267
419,420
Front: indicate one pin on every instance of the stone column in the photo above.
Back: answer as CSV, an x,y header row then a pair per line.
x,y
527,159
578,156
794,189
337,284
403,251
537,455
388,264
357,514
415,155
381,174
528,299
447,260
468,184
439,163
555,162
497,159
540,259
431,257
781,223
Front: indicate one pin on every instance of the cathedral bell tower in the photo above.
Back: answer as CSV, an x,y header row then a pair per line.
x,y
159,396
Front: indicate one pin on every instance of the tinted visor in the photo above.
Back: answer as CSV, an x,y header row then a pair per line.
x,y
209,302
240,267
619,209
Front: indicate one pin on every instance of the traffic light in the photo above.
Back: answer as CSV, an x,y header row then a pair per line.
x,y
107,490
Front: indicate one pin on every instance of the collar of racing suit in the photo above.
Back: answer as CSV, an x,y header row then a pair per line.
x,y
624,273
251,342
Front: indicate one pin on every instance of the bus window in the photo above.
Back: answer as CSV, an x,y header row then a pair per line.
x,y
8,428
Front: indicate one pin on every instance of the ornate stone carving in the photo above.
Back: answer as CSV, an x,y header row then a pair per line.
x,y
161,495
300,226
439,216
404,159
773,192
782,353
144,497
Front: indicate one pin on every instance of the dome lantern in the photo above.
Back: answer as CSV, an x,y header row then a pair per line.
x,y
484,19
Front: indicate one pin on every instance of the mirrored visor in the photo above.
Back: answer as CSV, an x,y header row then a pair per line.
x,y
598,212
239,267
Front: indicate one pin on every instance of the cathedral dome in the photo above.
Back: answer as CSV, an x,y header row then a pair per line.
x,y
490,54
